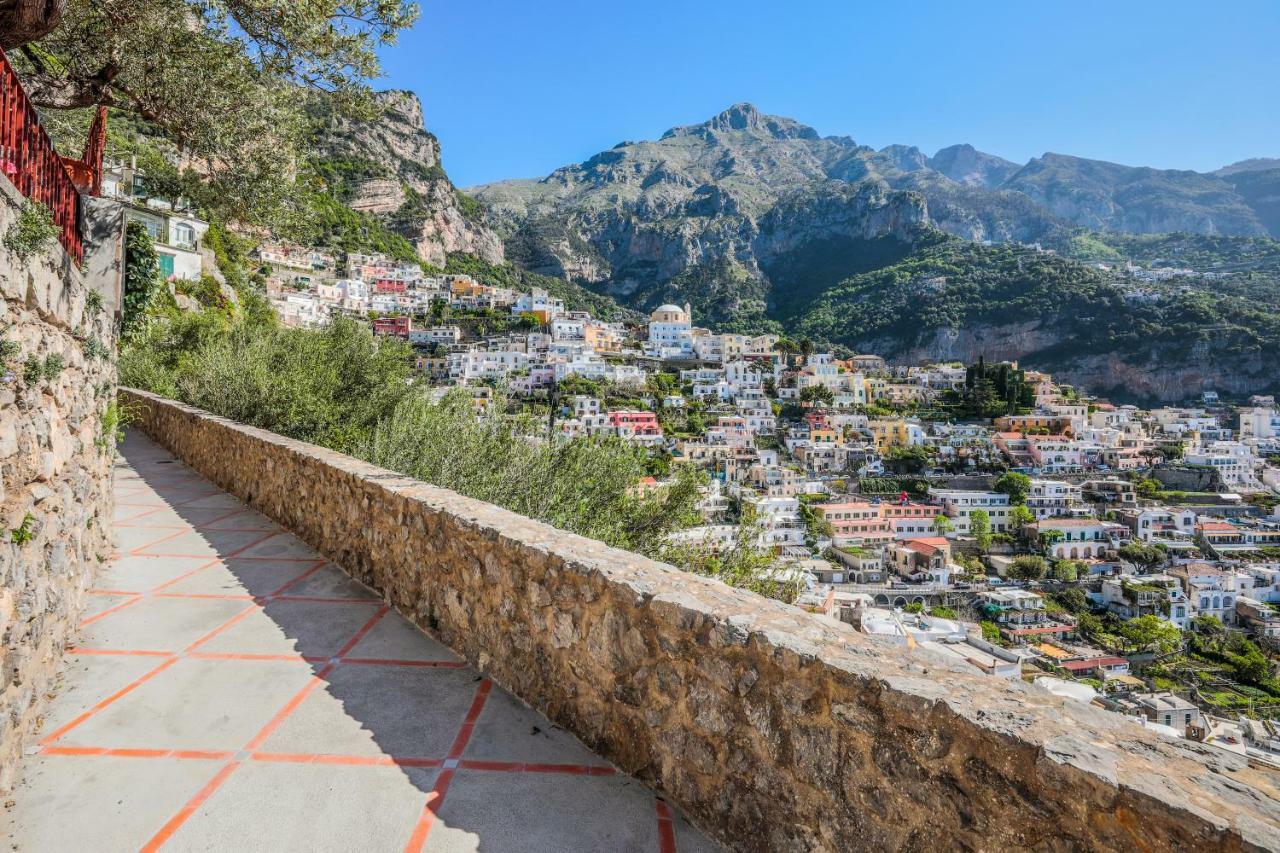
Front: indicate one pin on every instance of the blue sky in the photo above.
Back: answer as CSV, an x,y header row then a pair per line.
x,y
516,89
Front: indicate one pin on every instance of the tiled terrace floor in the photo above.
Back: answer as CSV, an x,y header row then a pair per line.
x,y
231,690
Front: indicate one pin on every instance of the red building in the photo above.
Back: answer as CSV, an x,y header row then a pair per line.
x,y
389,285
641,423
396,326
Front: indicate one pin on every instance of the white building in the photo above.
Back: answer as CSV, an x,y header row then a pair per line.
x,y
671,331
959,505
1047,498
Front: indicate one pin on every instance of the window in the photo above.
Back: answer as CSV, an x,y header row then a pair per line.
x,y
184,235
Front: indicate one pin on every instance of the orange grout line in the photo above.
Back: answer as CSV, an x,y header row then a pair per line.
x,y
166,832
113,609
289,708
205,596
364,629
418,838
666,828
224,626
247,656
320,564
128,688
477,705
331,758
179,532
136,516
198,754
113,592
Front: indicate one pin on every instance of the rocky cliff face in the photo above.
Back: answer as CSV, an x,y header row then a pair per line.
x,y
641,213
406,183
1147,378
970,167
1110,197
742,186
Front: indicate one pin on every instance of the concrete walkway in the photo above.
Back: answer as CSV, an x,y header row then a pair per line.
x,y
232,690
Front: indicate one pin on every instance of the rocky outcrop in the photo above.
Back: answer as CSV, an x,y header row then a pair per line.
x,y
406,183
55,464
1149,378
742,186
1110,197
641,213
970,167
772,729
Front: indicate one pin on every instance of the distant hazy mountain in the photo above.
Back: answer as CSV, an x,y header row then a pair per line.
x,y
1257,182
1110,197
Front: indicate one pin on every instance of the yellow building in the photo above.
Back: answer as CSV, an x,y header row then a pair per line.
x,y
889,433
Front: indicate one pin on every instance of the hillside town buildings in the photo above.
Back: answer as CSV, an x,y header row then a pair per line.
x,y
860,480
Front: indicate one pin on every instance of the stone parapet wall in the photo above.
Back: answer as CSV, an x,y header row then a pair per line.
x,y
55,466
772,729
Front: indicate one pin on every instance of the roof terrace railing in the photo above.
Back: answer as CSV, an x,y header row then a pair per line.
x,y
29,160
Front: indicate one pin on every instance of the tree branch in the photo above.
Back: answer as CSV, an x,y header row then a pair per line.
x,y
23,21
64,93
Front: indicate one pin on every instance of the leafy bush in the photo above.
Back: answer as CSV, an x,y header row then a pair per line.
x,y
144,290
95,349
32,371
23,533
32,232
9,349
1028,568
53,366
329,387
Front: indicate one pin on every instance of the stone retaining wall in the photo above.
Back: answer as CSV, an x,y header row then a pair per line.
x,y
55,466
772,729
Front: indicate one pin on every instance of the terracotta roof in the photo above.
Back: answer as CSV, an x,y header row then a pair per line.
x,y
928,545
1217,526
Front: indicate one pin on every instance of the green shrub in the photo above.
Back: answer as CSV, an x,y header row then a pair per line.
x,y
23,533
52,367
32,371
32,232
95,349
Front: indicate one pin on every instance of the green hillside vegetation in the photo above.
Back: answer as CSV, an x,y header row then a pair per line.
x,y
721,293
952,284
1201,252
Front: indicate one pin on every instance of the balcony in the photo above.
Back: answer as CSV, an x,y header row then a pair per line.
x,y
272,693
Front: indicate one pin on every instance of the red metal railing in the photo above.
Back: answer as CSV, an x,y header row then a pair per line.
x,y
28,159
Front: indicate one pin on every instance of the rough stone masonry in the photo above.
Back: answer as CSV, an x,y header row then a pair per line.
x,y
773,730
57,379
